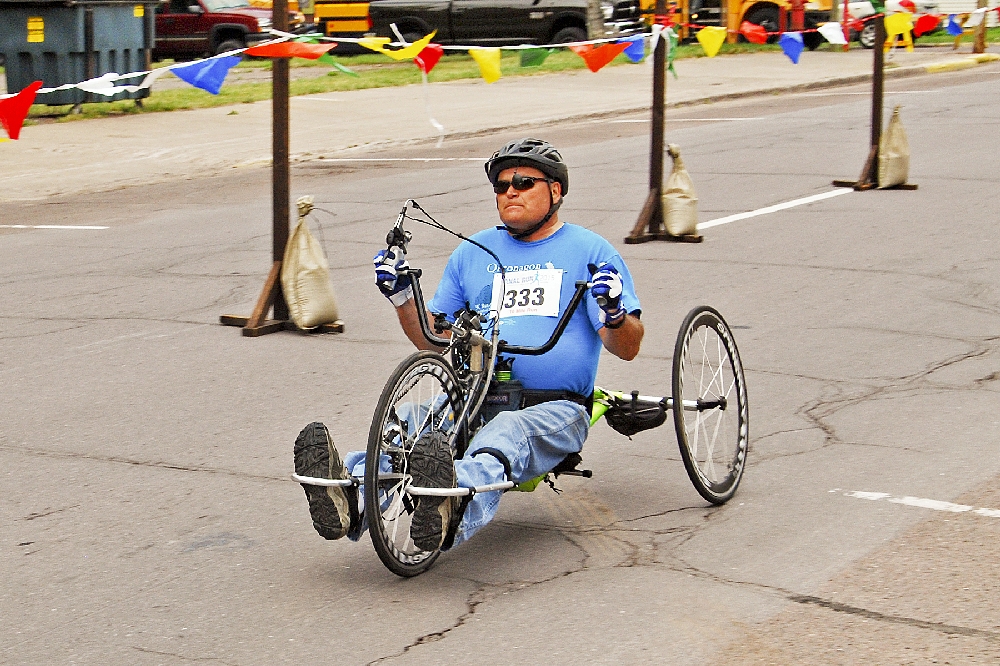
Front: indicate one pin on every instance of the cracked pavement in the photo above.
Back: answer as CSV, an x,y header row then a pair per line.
x,y
148,517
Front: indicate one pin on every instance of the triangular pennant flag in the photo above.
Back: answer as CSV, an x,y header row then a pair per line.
x,y
207,74
953,29
755,34
926,23
374,43
290,50
975,18
599,57
832,32
711,38
328,59
791,43
897,24
13,110
534,57
635,48
429,57
102,85
406,53
672,41
488,61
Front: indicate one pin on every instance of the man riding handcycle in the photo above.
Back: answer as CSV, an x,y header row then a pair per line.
x,y
459,423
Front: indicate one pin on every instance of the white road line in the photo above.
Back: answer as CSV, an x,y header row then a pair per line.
x,y
399,159
920,502
775,208
83,227
681,120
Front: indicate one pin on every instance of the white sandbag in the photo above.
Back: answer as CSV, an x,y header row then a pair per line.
x,y
893,154
680,203
305,276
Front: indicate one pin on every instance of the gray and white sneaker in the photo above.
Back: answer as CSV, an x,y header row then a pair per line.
x,y
332,508
432,466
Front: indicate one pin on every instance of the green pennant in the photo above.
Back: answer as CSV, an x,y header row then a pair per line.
x,y
327,59
534,57
671,50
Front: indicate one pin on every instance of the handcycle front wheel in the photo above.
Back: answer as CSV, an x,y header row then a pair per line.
x,y
711,417
421,396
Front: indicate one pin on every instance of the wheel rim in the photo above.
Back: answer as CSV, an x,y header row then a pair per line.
x,y
714,437
867,37
423,398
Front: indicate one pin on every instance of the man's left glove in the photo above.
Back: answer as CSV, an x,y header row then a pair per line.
x,y
606,288
388,264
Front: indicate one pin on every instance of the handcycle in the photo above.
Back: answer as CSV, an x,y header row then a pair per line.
x,y
446,392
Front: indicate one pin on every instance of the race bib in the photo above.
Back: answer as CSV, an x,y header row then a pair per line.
x,y
533,292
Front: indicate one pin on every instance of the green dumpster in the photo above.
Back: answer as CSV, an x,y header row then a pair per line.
x,y
65,41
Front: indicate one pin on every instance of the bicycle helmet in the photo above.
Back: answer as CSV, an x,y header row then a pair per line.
x,y
533,153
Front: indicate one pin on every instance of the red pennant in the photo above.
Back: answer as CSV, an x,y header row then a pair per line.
x,y
13,110
290,50
754,33
601,56
908,5
429,57
925,24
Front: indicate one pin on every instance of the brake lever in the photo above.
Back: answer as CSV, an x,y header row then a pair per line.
x,y
397,236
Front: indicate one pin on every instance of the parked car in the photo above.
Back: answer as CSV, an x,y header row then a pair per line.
x,y
485,23
860,9
194,28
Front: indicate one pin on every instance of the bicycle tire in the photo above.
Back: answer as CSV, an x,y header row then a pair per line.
x,y
425,378
707,371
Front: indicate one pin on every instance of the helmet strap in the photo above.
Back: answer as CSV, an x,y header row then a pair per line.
x,y
519,235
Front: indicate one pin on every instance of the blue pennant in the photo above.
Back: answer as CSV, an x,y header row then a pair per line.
x,y
207,74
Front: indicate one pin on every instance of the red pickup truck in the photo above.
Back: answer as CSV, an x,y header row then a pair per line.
x,y
195,28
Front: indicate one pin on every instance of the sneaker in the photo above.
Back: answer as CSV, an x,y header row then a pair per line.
x,y
332,508
432,466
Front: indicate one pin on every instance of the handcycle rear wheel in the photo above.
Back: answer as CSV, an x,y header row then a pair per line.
x,y
711,417
422,395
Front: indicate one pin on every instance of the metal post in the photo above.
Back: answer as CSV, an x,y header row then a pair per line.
x,y
280,148
869,172
89,61
650,225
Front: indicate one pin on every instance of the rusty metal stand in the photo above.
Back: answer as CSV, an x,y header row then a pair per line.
x,y
271,297
868,180
650,224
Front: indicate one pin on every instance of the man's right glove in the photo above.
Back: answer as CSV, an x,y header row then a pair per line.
x,y
606,287
388,264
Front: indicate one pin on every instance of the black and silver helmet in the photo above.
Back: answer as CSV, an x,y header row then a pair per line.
x,y
532,153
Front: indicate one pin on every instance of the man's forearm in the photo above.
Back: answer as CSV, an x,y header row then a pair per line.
x,y
623,342
410,322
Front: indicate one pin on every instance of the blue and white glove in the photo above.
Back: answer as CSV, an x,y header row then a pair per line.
x,y
388,264
606,288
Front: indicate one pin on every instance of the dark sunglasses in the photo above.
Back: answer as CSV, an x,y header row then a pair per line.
x,y
520,183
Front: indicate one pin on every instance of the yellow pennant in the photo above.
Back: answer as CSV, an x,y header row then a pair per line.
x,y
488,61
899,24
711,38
406,53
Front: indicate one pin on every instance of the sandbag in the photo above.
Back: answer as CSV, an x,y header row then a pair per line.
x,y
893,154
680,203
305,277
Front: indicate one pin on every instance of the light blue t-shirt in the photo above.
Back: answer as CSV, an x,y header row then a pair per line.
x,y
533,270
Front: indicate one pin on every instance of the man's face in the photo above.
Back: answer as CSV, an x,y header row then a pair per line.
x,y
521,210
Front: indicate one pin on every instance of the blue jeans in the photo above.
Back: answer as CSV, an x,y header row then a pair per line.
x,y
534,440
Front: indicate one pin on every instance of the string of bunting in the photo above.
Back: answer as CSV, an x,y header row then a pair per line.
x,y
210,73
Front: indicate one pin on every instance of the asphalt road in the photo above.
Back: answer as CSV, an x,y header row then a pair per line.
x,y
148,517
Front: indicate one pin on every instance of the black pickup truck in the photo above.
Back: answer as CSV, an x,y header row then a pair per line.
x,y
499,22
